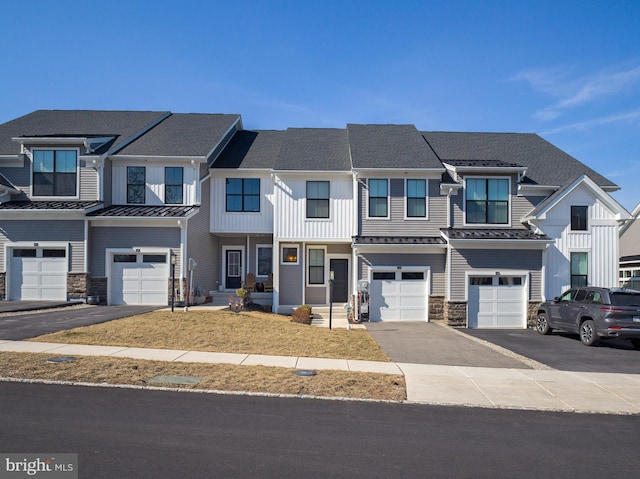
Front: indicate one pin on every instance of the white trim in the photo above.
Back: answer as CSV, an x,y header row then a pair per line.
x,y
366,189
77,173
258,246
9,247
281,251
398,270
464,202
243,261
589,263
426,201
329,200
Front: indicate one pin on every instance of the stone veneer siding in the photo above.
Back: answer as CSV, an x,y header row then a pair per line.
x,y
532,313
98,287
455,313
436,308
3,290
77,285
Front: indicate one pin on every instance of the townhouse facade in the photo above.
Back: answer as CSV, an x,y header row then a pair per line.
x,y
473,228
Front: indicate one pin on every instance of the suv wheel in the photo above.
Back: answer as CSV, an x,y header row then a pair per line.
x,y
588,334
542,324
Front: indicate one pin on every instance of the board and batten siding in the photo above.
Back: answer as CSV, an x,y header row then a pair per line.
x,y
46,231
397,224
155,181
495,259
240,222
107,183
290,210
101,238
435,262
600,241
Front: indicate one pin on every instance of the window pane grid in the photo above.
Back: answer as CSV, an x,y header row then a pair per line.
x,y
487,201
317,199
416,198
136,184
316,266
378,193
243,195
54,172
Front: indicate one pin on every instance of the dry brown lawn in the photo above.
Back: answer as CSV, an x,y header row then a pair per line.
x,y
223,377
225,331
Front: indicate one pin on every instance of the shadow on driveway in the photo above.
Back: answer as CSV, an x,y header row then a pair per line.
x,y
564,351
17,327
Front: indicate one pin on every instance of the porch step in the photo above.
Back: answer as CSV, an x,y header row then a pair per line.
x,y
338,315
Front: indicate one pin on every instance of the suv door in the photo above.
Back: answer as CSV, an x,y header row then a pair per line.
x,y
571,312
557,307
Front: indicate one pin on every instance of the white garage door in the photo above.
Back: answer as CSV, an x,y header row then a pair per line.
x,y
139,278
497,302
398,296
38,274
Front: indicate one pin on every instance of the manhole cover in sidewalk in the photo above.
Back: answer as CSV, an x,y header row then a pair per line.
x,y
175,379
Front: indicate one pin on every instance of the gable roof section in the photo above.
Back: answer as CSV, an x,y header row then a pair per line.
x,y
540,211
76,123
635,214
546,164
184,135
251,150
314,149
390,147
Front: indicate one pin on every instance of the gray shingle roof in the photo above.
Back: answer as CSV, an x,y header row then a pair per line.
x,y
546,164
400,240
491,234
82,123
145,211
251,149
317,149
390,146
49,205
182,134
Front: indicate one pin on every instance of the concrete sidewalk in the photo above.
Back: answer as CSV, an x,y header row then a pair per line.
x,y
426,384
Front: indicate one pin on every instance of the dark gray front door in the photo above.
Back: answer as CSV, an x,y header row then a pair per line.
x,y
234,269
340,268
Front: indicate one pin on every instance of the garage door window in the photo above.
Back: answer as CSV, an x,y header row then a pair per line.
x,y
481,280
124,258
384,275
413,275
510,281
53,253
154,258
24,253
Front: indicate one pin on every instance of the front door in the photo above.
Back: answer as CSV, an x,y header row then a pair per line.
x,y
234,269
340,268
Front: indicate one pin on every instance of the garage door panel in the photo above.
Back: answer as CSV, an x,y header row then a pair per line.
x,y
37,278
139,282
398,299
496,306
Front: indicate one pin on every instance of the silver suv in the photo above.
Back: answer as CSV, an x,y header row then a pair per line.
x,y
593,313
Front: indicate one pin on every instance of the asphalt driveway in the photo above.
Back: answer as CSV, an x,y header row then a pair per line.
x,y
564,351
433,343
17,325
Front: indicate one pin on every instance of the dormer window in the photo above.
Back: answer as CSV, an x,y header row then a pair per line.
x,y
487,201
55,172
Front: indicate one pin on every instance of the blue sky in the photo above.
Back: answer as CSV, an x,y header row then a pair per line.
x,y
567,70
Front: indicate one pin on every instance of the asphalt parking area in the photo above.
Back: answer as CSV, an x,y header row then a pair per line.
x,y
21,325
564,351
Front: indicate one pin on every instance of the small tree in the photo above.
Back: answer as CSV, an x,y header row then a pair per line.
x,y
244,295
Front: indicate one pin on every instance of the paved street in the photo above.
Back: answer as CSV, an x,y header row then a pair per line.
x,y
137,433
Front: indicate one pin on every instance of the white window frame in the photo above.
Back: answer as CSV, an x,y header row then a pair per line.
x,y
308,218
258,246
379,218
426,201
464,202
281,253
589,272
308,264
53,148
